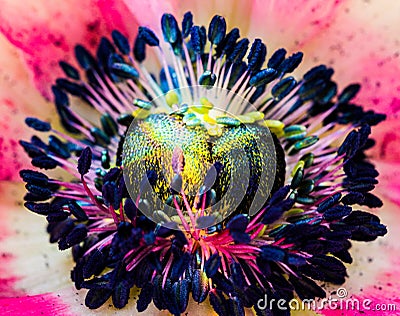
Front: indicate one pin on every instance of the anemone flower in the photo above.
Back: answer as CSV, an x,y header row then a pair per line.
x,y
183,166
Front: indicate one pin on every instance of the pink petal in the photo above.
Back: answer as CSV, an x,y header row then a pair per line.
x,y
386,155
389,185
361,44
18,99
358,38
46,304
387,137
115,15
149,12
48,32
291,24
7,278
237,13
67,302
43,34
28,258
30,265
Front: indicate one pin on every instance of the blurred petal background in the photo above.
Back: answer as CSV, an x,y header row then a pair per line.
x,y
358,38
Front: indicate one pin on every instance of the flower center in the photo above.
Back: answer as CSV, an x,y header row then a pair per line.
x,y
200,162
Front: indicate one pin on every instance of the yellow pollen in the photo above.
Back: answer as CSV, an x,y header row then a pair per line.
x,y
172,98
299,165
140,114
